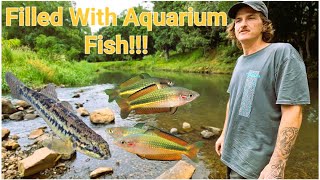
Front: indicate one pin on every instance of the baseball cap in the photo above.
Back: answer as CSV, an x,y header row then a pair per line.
x,y
256,5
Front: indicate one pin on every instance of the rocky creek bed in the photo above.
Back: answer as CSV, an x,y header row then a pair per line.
x,y
27,131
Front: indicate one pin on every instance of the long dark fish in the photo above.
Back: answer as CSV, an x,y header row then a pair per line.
x,y
61,118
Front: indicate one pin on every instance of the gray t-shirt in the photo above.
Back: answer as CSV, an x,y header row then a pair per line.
x,y
260,83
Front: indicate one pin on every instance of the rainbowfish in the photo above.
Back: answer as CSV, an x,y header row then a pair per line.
x,y
62,119
130,89
150,146
119,132
152,97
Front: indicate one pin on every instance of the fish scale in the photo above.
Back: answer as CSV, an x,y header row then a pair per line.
x,y
66,124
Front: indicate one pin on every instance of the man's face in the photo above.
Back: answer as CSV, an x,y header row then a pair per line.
x,y
248,25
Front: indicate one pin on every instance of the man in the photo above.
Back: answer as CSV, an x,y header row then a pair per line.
x,y
267,88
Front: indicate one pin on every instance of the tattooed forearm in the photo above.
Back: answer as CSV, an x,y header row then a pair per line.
x,y
285,141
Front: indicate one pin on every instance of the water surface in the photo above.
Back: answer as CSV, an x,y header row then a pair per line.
x,y
209,110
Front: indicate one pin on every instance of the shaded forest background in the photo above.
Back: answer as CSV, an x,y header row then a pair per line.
x,y
295,23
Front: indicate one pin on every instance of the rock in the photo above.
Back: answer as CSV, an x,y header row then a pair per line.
x,y
207,134
76,95
40,160
3,155
7,107
41,138
186,125
182,170
83,112
36,133
5,133
102,116
5,116
30,111
214,130
101,170
11,144
20,108
173,130
16,116
11,167
21,103
15,137
60,165
30,116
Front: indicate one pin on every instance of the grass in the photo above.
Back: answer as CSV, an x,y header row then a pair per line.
x,y
193,61
35,71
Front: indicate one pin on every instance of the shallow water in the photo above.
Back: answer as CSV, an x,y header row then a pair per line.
x,y
207,110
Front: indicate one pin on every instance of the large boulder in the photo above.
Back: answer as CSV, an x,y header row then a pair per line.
x,y
7,107
40,160
17,116
105,115
5,133
182,170
100,171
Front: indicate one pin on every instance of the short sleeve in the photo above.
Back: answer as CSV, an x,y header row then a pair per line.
x,y
291,81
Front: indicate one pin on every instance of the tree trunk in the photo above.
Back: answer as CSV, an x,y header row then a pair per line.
x,y
301,51
167,54
307,45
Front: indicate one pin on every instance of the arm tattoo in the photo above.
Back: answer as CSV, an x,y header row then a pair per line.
x,y
285,142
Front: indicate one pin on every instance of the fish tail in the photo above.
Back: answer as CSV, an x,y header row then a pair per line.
x,y
124,106
193,149
112,93
14,85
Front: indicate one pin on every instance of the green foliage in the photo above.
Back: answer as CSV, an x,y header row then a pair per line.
x,y
192,61
228,54
6,55
35,70
65,41
11,43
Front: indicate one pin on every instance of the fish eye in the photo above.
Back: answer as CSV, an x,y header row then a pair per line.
x,y
110,131
122,142
190,95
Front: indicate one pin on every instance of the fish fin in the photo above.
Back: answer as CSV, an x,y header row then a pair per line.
x,y
14,85
124,106
143,92
58,145
112,93
141,156
151,110
68,106
50,91
163,157
139,125
173,110
134,80
193,149
155,131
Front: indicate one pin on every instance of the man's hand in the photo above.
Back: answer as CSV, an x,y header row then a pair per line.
x,y
219,144
273,171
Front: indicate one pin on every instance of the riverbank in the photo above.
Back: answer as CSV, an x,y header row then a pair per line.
x,y
193,61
